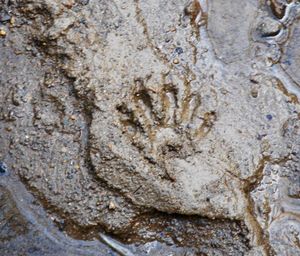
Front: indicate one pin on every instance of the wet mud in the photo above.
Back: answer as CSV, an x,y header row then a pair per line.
x,y
149,127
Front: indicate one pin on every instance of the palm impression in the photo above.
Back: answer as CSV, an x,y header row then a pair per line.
x,y
187,130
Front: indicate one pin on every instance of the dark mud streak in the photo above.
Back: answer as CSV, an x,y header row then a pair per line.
x,y
281,87
277,10
163,227
192,10
250,185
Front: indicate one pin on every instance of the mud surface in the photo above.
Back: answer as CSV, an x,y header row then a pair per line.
x,y
149,127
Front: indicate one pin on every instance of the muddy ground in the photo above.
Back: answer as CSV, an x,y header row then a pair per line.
x,y
149,127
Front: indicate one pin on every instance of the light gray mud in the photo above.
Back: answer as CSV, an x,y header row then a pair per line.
x,y
156,127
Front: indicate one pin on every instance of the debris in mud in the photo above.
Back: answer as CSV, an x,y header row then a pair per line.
x,y
3,169
2,32
269,117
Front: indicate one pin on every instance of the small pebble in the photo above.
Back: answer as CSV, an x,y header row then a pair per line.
x,y
176,61
2,32
111,205
69,4
178,50
269,117
70,176
261,136
84,2
12,21
254,93
3,168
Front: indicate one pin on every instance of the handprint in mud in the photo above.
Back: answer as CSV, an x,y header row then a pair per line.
x,y
165,120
